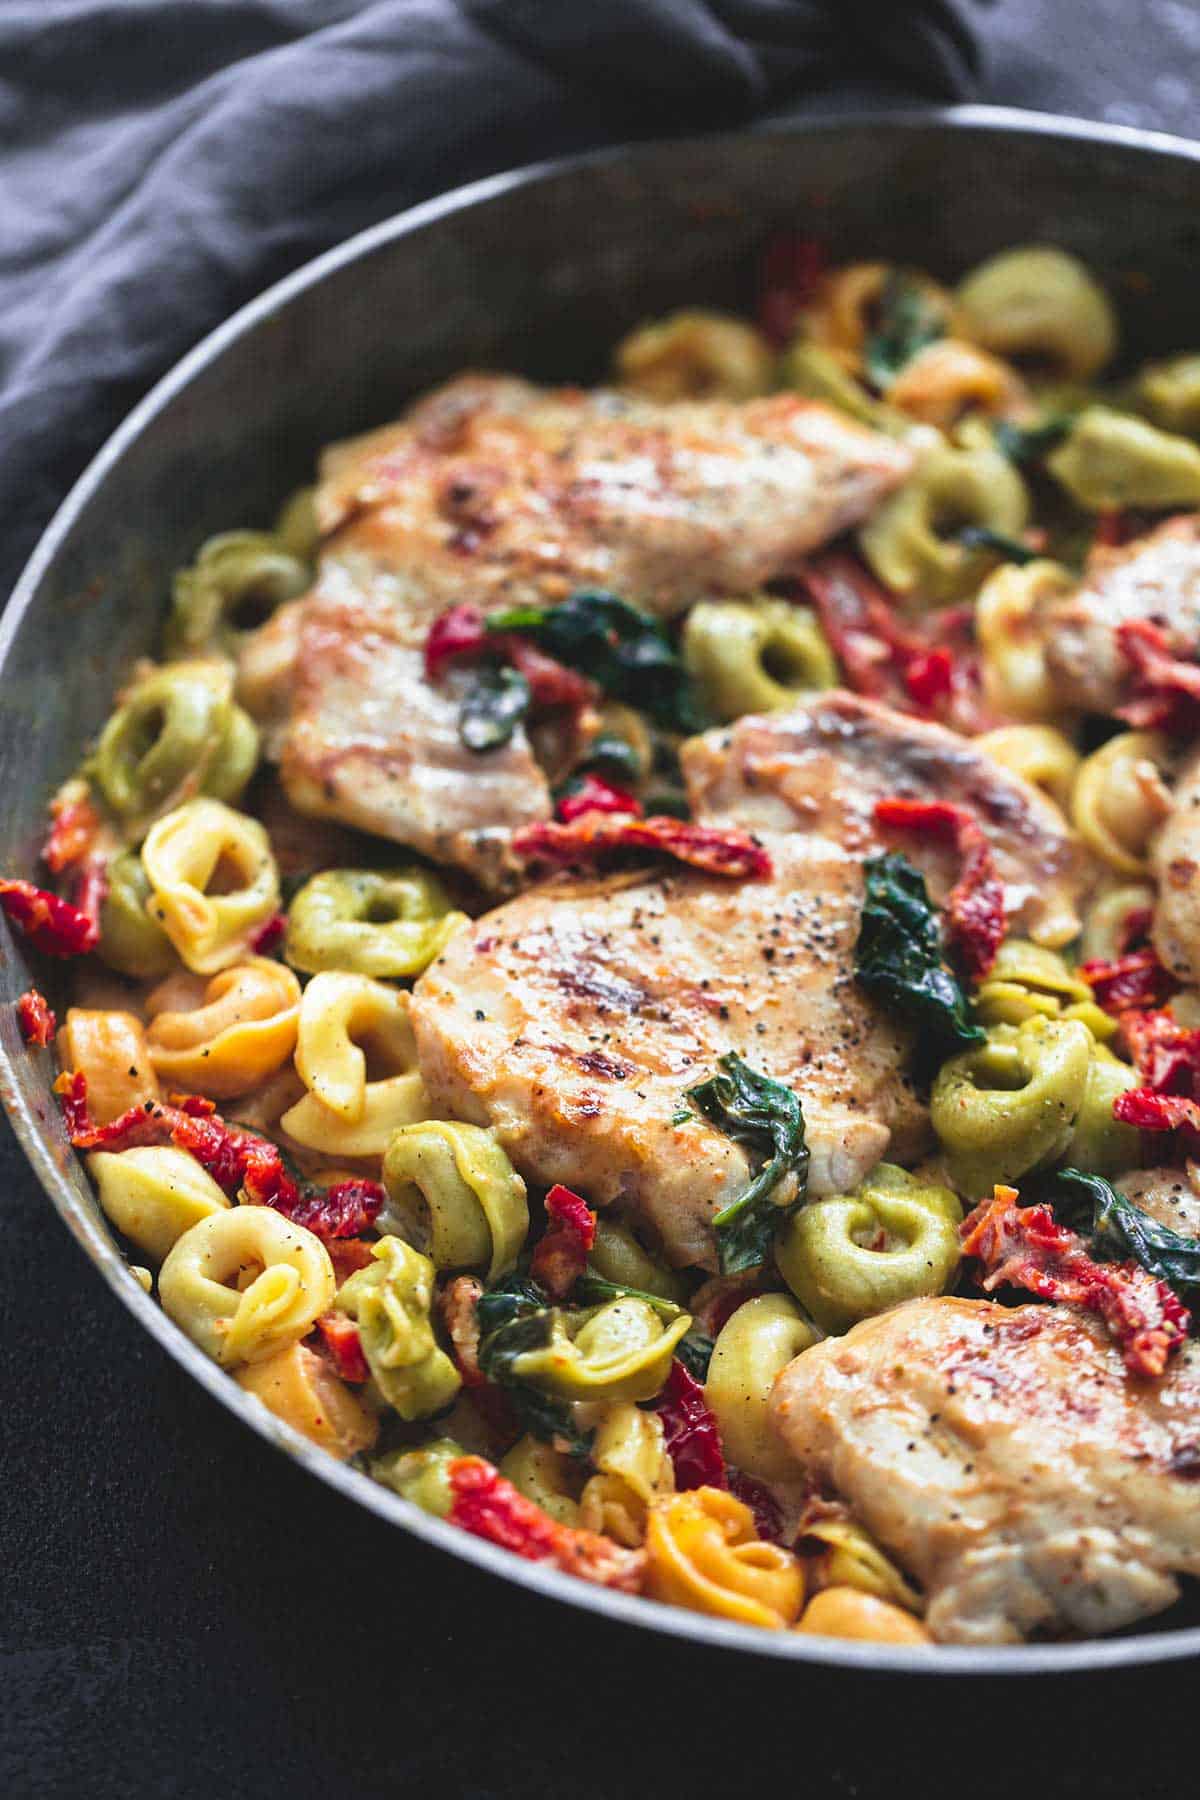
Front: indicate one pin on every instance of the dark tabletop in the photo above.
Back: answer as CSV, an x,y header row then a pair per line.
x,y
183,1613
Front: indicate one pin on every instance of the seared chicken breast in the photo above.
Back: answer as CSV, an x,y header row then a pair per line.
x,y
496,491
1008,1461
1156,578
1175,864
820,769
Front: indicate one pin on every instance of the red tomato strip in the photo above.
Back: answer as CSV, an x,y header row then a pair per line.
x,y
731,853
462,635
488,1506
1026,1247
561,1255
1137,979
974,907
595,795
52,925
73,831
1166,689
690,1430
38,1023
343,1346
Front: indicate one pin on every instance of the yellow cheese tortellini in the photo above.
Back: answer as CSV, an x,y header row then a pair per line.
x,y
853,1255
1111,459
633,1469
753,656
370,922
702,1553
913,541
357,1057
153,1194
235,584
1106,923
758,1341
300,1388
213,882
109,1048
1016,679
453,1192
177,733
839,1553
1120,799
1039,754
1042,305
224,1037
391,1302
1011,1105
245,1283
696,354
621,1351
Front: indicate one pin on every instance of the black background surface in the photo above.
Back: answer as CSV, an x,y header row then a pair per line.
x,y
183,1613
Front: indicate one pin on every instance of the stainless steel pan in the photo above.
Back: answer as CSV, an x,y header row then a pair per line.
x,y
538,271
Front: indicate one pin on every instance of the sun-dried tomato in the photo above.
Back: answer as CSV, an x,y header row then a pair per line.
x,y
487,1505
929,678
1135,928
592,794
1149,1111
344,1210
343,1346
768,1514
51,924
974,909
731,853
75,825
269,935
1136,979
1026,1247
349,1255
1165,1054
789,276
561,1255
37,1021
690,1432
461,631
1166,688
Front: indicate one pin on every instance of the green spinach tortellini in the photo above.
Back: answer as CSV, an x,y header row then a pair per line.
x,y
915,541
753,656
1011,1105
235,584
1112,460
391,1302
853,1255
452,1190
620,1351
178,733
373,922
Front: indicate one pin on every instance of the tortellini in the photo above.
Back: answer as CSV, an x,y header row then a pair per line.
x,y
846,1556
176,734
850,1256
759,1340
845,311
912,541
1100,1144
421,1476
819,374
1011,1105
752,656
702,1553
109,1048
1038,754
153,1194
1106,925
356,1056
245,1283
696,355
948,378
1027,980
391,1302
621,1351
633,1469
235,583
1042,305
130,940
1016,680
1111,459
1120,799
300,1388
368,922
1170,393
545,1476
453,1192
848,1612
617,1256
238,1029
213,882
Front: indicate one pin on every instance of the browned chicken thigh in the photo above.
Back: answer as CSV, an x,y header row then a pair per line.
x,y
1007,1459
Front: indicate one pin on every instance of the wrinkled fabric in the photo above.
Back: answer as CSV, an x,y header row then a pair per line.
x,y
161,163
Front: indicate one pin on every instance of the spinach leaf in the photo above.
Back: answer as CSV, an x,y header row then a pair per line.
x,y
898,956
982,537
594,1290
614,758
1119,1230
768,1118
695,1353
1029,443
493,708
907,322
539,1414
512,1297
625,652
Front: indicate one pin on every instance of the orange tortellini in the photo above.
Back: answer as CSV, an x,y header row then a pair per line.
x,y
702,1552
109,1048
227,1036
